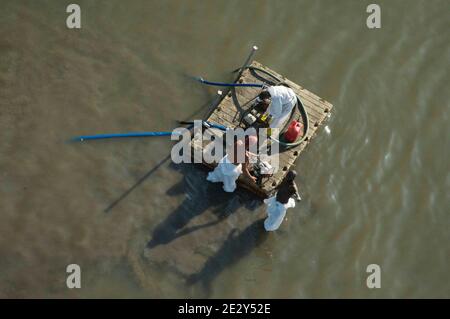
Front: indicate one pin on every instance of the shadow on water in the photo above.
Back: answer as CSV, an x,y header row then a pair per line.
x,y
203,110
199,113
200,197
235,247
213,99
135,185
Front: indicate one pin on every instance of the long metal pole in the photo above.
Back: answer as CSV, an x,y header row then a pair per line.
x,y
248,61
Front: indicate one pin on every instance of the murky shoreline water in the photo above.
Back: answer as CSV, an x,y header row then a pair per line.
x,y
375,190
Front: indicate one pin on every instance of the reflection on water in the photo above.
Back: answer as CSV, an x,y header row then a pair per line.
x,y
373,184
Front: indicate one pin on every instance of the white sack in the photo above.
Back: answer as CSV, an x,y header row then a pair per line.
x,y
227,173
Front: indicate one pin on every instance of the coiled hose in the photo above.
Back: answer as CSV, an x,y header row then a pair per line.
x,y
300,106
277,81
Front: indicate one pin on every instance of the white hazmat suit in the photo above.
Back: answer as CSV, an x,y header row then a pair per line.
x,y
283,101
276,212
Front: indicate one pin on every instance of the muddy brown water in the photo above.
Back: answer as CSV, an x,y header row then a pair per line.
x,y
375,188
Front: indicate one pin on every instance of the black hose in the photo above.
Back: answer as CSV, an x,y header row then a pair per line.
x,y
201,80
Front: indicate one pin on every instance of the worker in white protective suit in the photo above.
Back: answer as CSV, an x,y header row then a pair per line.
x,y
278,204
280,101
230,167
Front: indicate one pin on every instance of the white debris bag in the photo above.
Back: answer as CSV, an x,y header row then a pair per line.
x,y
227,173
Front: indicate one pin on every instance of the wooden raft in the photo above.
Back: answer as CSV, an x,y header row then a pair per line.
x,y
229,110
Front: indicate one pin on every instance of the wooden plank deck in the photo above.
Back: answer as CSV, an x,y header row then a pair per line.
x,y
230,108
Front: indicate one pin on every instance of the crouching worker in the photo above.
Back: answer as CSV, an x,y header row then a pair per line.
x,y
281,201
230,167
278,101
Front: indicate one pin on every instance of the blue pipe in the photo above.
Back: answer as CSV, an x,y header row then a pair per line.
x,y
140,134
103,136
218,126
255,85
206,124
